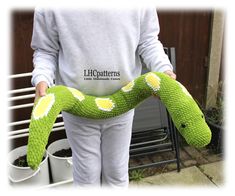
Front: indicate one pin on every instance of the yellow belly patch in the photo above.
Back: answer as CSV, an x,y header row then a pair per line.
x,y
43,106
105,104
77,94
128,87
153,81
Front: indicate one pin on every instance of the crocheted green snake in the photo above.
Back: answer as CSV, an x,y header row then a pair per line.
x,y
185,113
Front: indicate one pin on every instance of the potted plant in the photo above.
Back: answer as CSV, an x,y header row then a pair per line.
x,y
215,120
60,158
21,174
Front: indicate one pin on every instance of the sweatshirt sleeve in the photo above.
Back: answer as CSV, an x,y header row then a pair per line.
x,y
46,47
149,47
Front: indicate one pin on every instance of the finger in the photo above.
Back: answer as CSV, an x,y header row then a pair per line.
x,y
173,76
42,92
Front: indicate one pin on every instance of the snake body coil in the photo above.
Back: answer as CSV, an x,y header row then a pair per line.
x,y
185,113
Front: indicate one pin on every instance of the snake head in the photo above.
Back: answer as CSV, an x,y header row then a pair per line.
x,y
194,128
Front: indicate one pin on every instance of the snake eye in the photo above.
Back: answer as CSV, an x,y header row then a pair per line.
x,y
183,125
202,116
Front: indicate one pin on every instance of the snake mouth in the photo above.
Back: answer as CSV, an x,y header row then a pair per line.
x,y
195,135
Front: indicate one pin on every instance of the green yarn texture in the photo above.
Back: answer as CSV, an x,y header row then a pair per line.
x,y
184,111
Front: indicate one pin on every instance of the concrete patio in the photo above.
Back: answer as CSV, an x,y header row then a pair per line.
x,y
207,175
199,167
210,174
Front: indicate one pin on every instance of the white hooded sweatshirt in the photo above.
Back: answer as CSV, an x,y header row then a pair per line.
x,y
96,51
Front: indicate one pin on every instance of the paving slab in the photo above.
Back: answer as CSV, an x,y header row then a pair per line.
x,y
191,176
214,171
195,154
208,175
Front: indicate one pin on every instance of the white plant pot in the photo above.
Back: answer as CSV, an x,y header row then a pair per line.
x,y
61,167
25,175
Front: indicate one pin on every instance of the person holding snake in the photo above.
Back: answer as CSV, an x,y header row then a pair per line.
x,y
98,112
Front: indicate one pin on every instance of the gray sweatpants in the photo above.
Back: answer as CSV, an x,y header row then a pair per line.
x,y
100,149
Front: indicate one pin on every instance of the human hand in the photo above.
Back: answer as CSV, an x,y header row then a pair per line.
x,y
41,89
170,73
